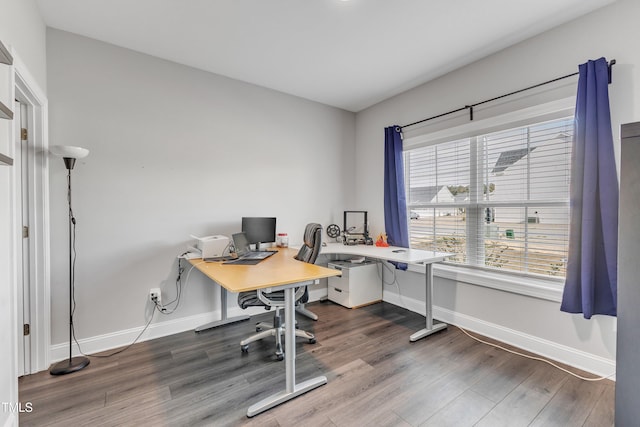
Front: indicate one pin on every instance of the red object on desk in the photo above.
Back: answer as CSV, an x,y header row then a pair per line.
x,y
381,243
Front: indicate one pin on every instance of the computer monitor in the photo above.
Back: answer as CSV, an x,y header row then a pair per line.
x,y
259,230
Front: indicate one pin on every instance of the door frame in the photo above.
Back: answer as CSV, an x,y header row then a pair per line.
x,y
27,91
23,252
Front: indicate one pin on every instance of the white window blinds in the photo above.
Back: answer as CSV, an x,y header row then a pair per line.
x,y
498,200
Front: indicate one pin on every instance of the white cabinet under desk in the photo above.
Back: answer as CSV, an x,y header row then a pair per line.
x,y
359,284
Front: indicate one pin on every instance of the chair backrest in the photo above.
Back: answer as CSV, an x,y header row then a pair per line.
x,y
312,243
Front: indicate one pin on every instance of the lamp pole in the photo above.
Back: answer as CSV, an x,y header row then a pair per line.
x,y
72,364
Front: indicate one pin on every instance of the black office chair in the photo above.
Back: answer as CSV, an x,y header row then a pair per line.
x,y
307,253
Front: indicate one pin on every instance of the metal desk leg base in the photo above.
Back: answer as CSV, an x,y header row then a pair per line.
x,y
425,332
225,320
221,322
292,389
283,396
430,327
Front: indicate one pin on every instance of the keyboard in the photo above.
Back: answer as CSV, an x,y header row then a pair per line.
x,y
251,258
219,258
258,255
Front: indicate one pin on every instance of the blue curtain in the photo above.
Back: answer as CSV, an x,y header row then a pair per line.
x,y
395,201
591,286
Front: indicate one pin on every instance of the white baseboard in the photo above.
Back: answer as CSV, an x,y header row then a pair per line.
x,y
155,330
579,359
561,353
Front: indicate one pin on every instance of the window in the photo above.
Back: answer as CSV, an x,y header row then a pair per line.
x,y
498,200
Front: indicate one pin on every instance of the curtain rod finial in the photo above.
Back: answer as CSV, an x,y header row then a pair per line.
x,y
611,64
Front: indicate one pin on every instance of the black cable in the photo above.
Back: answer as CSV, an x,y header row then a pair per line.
x,y
72,290
178,284
122,349
178,297
72,221
158,307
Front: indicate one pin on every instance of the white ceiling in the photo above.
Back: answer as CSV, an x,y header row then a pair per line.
x,y
348,54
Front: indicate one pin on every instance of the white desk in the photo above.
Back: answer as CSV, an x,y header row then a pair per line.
x,y
404,255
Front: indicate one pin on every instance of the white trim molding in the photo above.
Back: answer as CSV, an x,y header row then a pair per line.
x,y
125,337
579,359
542,288
543,112
550,290
27,90
552,350
158,329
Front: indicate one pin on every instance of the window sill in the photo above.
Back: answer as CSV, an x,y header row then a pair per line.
x,y
550,290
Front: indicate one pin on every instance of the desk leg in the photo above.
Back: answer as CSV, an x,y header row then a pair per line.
x,y
292,389
430,326
223,308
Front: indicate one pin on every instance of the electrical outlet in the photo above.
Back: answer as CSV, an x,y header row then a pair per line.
x,y
155,295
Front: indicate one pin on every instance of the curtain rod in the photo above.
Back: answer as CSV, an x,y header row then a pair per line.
x,y
470,106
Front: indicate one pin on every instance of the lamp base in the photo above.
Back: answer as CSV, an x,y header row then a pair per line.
x,y
69,366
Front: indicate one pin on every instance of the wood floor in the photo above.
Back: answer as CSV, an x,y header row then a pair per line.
x,y
376,377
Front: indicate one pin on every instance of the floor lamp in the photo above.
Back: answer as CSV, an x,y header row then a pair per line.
x,y
69,154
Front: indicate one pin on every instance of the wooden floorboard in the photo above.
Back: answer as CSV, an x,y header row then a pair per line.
x,y
375,377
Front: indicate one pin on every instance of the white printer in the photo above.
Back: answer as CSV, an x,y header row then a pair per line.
x,y
211,246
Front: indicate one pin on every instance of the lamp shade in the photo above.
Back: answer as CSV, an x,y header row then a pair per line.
x,y
69,151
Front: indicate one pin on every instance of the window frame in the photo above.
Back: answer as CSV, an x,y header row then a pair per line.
x,y
530,284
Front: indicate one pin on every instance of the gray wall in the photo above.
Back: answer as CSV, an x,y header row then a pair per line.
x,y
174,151
612,32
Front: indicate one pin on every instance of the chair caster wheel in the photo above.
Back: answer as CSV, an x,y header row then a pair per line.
x,y
280,357
312,341
258,329
245,348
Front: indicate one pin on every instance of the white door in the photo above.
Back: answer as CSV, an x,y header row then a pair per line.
x,y
24,259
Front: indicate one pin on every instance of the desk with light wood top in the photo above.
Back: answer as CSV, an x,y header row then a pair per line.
x,y
277,270
280,271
